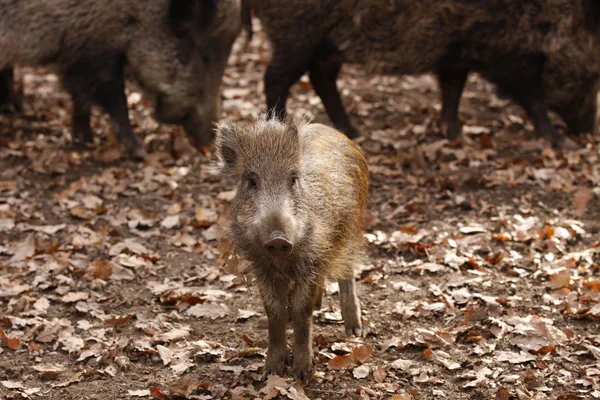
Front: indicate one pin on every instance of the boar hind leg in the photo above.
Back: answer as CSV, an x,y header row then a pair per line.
x,y
301,309
452,83
283,71
101,80
324,71
110,95
82,112
350,307
276,309
531,97
583,123
8,97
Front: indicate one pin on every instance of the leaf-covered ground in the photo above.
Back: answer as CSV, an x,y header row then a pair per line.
x,y
482,279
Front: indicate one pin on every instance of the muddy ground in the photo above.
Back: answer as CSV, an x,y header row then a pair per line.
x,y
481,283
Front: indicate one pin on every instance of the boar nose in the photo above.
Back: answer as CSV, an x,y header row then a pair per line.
x,y
278,245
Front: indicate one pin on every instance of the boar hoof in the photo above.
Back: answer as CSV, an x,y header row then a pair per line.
x,y
302,371
567,144
450,129
274,365
355,330
351,132
83,135
134,149
11,106
138,154
353,326
273,370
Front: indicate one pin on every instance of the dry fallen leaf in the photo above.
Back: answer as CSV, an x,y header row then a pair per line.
x,y
170,222
101,269
156,393
118,321
139,393
73,297
362,353
581,200
361,372
11,343
24,250
49,371
341,362
211,311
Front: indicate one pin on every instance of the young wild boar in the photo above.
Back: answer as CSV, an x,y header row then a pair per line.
x,y
298,217
175,50
514,44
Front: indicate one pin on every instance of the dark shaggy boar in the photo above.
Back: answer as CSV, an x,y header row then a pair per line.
x,y
542,53
298,217
175,50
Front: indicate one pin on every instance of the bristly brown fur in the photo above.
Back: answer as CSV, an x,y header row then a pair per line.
x,y
322,214
175,50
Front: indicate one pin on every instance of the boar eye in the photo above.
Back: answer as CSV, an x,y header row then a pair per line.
x,y
293,179
252,180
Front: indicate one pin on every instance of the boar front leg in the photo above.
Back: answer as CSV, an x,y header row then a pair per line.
x,y
82,112
584,121
531,97
275,303
8,96
110,95
302,304
452,83
323,72
284,70
101,80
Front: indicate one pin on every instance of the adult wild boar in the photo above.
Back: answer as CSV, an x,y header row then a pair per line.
x,y
529,48
174,50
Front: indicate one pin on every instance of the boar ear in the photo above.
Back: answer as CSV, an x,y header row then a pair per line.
x,y
191,15
226,147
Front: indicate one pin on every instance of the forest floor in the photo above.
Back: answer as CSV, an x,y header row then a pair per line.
x,y
482,280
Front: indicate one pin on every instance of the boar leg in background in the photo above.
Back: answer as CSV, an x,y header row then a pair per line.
x,y
533,101
8,96
82,112
451,83
101,80
324,70
528,92
111,97
284,70
583,123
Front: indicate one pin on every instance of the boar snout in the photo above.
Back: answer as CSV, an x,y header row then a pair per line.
x,y
278,245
